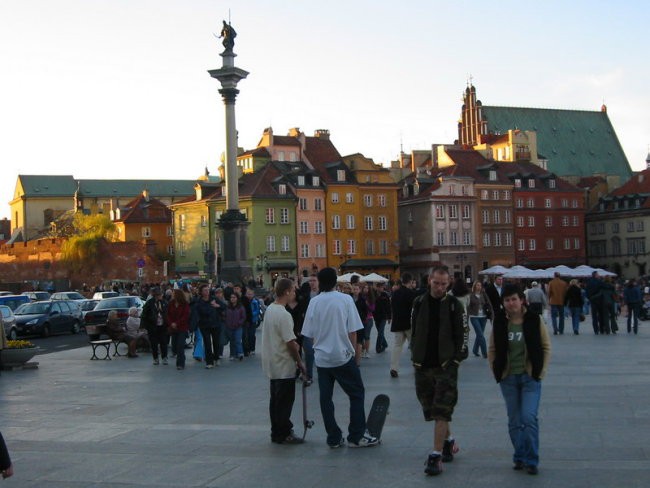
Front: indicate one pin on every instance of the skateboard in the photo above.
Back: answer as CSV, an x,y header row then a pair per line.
x,y
307,424
377,415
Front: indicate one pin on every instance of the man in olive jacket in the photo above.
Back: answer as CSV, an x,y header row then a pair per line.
x,y
439,336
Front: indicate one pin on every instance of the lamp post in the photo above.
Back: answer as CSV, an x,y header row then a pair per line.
x,y
461,258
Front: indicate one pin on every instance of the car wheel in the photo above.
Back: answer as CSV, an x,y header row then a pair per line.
x,y
46,330
13,335
75,327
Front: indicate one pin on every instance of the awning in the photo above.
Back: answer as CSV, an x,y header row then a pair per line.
x,y
369,263
290,265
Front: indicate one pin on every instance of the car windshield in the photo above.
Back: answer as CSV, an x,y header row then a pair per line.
x,y
118,302
32,308
6,312
85,306
73,295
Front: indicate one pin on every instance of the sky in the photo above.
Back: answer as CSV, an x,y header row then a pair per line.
x,y
120,89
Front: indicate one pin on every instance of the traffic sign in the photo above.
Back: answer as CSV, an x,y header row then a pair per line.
x,y
140,262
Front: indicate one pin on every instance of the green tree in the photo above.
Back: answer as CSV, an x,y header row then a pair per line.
x,y
89,233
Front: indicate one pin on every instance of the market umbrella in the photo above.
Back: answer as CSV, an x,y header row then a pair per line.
x,y
374,278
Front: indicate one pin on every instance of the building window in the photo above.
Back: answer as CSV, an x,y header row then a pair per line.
x,y
630,226
349,197
532,244
350,221
508,239
601,228
367,222
506,194
340,175
336,247
521,244
440,211
486,239
453,238
520,221
304,227
318,204
531,203
304,250
485,214
381,220
547,203
284,215
352,246
410,217
285,244
367,200
485,195
615,228
383,247
170,250
181,223
497,239
517,183
636,246
315,180
567,243
440,238
549,244
467,238
302,204
466,214
318,227
381,200
507,214
146,232
204,220
270,215
531,183
520,203
181,248
564,203
170,231
493,175
565,221
205,246
551,184
301,180
320,251
453,211
574,203
639,225
575,221
336,221
452,189
282,189
335,197
495,194
370,247
497,217
270,243
531,221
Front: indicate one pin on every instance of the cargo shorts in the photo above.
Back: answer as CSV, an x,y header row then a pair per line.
x,y
437,391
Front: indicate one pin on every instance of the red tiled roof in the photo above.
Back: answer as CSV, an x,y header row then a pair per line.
x,y
141,210
285,141
639,183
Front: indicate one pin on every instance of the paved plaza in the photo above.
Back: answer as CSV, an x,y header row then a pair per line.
x,y
79,423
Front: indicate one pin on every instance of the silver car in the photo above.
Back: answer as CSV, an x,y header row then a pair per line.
x,y
9,320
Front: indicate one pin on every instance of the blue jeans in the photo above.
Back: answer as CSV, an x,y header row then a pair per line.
x,y
522,394
234,338
555,311
575,318
381,344
633,309
348,377
479,328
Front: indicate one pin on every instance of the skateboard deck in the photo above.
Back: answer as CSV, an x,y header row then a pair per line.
x,y
377,415
306,424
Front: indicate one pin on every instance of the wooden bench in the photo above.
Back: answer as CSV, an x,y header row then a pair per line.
x,y
94,333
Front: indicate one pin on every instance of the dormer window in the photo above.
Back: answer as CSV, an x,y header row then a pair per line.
x,y
340,175
551,183
282,189
315,181
517,183
301,181
405,191
493,175
531,183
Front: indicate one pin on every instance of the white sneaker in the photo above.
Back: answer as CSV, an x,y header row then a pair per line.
x,y
165,361
156,362
366,441
366,355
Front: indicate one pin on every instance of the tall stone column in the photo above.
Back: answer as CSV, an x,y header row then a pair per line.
x,y
233,224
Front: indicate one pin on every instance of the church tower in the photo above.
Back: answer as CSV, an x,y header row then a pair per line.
x,y
471,127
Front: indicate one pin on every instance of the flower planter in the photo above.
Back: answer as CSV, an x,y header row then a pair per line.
x,y
17,357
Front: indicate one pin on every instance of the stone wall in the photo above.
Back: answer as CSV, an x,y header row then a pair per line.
x,y
40,260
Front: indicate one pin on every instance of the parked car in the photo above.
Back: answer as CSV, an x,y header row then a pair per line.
x,y
67,295
86,306
50,317
13,301
99,315
100,295
37,296
4,292
9,320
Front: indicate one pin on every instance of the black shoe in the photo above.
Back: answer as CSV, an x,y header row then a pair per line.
x,y
449,448
340,443
291,439
518,466
393,373
530,469
434,465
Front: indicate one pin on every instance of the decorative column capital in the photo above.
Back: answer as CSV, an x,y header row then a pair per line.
x,y
229,95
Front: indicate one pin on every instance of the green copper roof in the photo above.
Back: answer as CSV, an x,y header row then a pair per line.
x,y
132,188
575,142
48,185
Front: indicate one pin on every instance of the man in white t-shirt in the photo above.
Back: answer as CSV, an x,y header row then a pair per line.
x,y
332,322
280,356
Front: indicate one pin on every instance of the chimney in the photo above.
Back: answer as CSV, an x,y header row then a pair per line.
x,y
294,132
322,134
